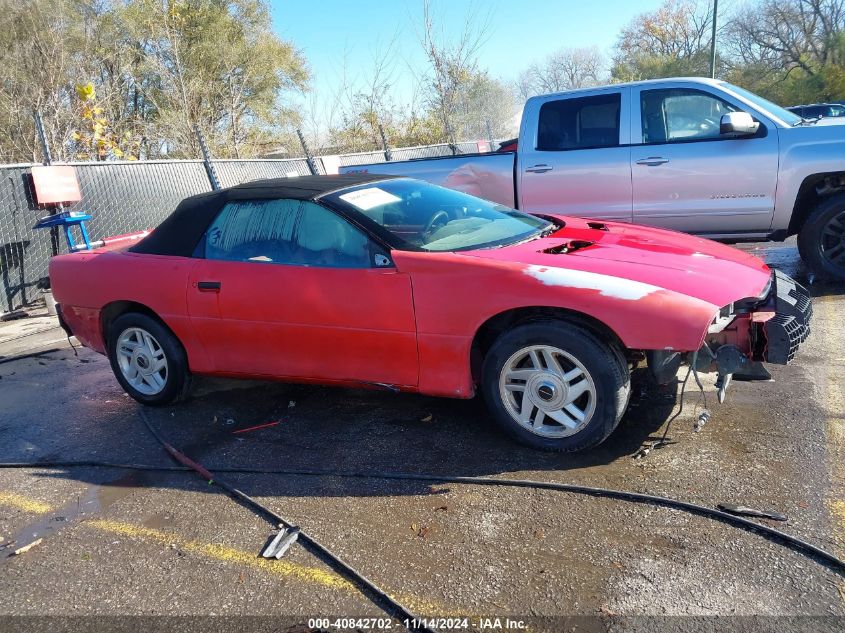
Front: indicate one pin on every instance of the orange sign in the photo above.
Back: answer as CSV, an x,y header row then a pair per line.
x,y
55,183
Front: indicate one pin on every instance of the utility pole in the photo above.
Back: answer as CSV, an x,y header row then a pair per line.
x,y
713,40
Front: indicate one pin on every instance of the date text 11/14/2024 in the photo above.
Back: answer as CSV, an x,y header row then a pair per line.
x,y
455,624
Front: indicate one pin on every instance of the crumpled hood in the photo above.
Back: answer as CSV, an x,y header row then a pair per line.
x,y
685,264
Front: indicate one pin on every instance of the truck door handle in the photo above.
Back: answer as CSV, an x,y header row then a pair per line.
x,y
209,286
653,161
539,169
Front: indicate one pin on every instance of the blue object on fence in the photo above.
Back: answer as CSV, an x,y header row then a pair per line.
x,y
68,219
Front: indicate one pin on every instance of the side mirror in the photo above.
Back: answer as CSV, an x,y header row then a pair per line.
x,y
738,124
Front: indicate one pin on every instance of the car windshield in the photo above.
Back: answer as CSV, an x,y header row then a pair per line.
x,y
423,216
783,114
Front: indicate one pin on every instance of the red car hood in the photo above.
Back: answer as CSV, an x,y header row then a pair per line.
x,y
685,264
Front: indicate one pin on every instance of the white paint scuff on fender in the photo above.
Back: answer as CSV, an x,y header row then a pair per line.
x,y
607,285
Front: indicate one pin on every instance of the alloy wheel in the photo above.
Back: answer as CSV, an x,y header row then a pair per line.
x,y
833,240
547,391
142,361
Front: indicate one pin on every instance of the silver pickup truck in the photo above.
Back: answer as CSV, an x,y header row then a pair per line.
x,y
694,155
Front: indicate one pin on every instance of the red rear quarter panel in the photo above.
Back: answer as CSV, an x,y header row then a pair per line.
x,y
85,283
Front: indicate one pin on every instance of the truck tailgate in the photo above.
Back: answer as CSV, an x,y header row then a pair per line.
x,y
488,176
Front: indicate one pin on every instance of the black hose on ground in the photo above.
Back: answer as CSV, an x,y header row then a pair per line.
x,y
376,594
808,549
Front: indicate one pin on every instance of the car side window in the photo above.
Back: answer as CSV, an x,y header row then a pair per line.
x,y
294,232
681,114
323,238
579,123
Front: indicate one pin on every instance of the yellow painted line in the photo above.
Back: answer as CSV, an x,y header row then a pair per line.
x,y
227,554
834,401
222,553
836,411
282,568
837,508
19,502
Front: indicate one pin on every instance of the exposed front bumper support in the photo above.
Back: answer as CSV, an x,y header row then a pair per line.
x,y
779,336
766,329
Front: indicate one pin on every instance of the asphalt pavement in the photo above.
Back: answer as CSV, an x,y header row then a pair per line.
x,y
143,543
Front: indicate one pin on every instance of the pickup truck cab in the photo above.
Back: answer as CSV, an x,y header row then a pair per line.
x,y
695,155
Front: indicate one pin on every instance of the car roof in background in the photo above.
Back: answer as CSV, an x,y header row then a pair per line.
x,y
814,105
179,233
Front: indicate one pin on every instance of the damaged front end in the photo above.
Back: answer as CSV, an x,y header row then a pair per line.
x,y
745,334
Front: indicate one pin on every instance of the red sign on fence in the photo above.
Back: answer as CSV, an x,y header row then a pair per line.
x,y
55,183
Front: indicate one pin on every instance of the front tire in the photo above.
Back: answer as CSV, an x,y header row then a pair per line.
x,y
148,361
553,385
821,241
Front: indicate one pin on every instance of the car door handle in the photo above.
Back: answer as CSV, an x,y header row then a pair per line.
x,y
209,286
539,169
653,161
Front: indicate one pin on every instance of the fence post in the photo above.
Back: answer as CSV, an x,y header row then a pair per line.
x,y
388,155
206,159
450,138
308,158
42,137
48,160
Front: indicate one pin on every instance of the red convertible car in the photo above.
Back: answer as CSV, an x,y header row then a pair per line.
x,y
368,280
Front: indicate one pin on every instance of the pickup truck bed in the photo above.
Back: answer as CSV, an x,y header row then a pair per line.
x,y
486,175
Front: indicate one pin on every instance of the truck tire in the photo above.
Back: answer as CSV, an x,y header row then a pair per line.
x,y
148,361
821,241
553,385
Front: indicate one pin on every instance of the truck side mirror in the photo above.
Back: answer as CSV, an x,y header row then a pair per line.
x,y
738,124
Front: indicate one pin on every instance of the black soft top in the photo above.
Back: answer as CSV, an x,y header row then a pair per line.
x,y
182,230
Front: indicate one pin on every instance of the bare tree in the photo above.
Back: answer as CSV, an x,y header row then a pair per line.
x,y
566,69
789,34
39,44
453,63
674,39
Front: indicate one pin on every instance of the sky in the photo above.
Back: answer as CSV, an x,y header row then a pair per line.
x,y
338,34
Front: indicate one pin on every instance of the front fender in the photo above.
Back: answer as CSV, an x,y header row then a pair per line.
x,y
805,152
453,298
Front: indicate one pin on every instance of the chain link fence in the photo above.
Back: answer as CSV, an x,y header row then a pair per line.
x,y
410,153
130,196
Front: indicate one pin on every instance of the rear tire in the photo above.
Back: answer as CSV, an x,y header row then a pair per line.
x,y
553,385
821,241
148,361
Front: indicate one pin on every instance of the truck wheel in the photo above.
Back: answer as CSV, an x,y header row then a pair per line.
x,y
148,361
552,385
821,241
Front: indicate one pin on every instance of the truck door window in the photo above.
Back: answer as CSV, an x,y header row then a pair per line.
x,y
680,114
581,123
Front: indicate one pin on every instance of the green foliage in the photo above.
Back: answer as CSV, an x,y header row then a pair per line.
x,y
132,78
95,139
157,68
789,51
217,64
